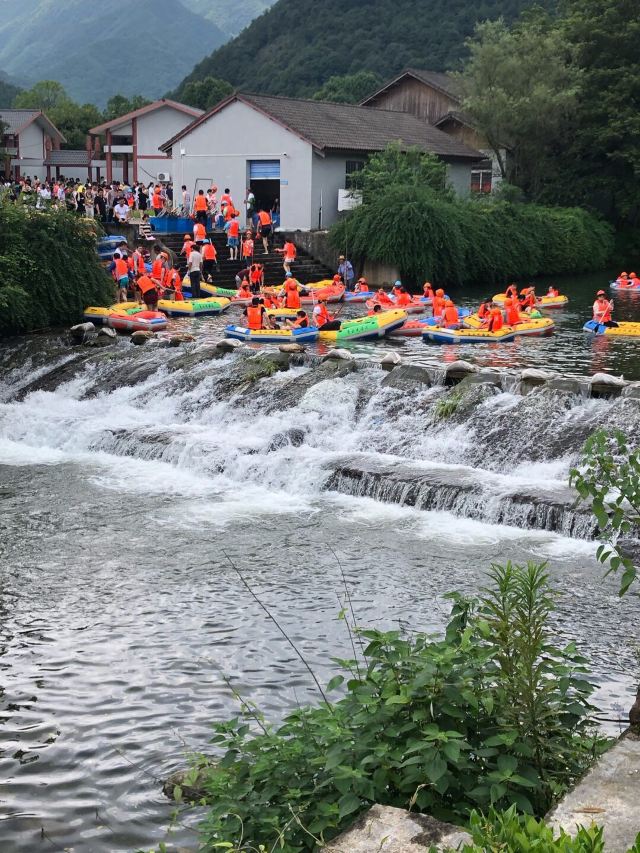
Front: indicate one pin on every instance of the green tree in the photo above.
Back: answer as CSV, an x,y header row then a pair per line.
x,y
74,120
520,87
45,96
350,88
118,105
609,478
8,94
406,167
601,156
205,94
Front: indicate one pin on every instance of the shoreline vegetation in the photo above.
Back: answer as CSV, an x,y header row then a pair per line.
x,y
491,718
49,269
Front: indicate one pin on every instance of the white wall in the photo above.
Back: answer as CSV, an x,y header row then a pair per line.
x,y
152,130
329,176
219,150
459,177
31,152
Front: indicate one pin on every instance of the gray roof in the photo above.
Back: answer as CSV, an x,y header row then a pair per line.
x,y
68,158
17,120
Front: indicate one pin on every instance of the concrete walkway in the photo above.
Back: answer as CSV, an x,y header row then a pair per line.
x,y
609,795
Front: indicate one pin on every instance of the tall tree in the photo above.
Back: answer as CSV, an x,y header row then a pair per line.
x,y
118,105
520,88
44,96
350,88
602,161
204,94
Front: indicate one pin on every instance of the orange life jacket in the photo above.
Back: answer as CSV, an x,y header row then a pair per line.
x,y
427,291
122,268
264,218
383,299
200,203
254,316
323,315
145,284
483,311
292,296
247,248
234,228
138,262
209,252
156,201
438,306
513,314
256,274
199,231
496,321
403,300
156,269
289,250
602,310
450,315
244,292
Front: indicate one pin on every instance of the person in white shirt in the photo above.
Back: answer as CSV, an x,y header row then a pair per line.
x,y
44,196
122,211
194,268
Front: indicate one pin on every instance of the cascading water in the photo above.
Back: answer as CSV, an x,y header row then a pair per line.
x,y
129,475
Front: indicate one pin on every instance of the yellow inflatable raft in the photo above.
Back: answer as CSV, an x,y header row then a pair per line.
x,y
528,326
95,314
622,330
541,301
193,307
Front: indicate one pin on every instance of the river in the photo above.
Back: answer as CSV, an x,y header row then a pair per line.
x,y
132,480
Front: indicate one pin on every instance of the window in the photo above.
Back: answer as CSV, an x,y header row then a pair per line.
x,y
481,180
352,169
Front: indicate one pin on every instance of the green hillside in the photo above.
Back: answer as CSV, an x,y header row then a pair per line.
x,y
293,48
231,18
101,47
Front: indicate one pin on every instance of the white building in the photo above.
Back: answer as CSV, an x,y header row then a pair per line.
x,y
299,152
133,140
27,138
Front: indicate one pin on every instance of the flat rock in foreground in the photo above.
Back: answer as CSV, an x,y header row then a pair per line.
x,y
609,795
384,829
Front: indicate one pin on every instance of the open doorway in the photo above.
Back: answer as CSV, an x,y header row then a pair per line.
x,y
267,193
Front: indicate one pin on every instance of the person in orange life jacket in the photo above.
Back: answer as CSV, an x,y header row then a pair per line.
x,y
256,277
485,307
403,299
382,298
199,232
494,322
437,304
157,202
602,309
244,291
623,279
290,252
119,268
148,288
529,300
512,312
301,321
397,289
291,290
187,246
138,260
233,236
553,291
361,285
264,228
375,309
209,260
200,206
512,291
247,247
323,319
255,314
450,316
173,284
634,281
427,290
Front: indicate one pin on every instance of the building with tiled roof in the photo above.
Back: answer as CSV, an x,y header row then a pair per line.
x,y
27,137
301,153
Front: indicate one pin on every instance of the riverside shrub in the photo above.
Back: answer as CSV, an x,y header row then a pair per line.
x,y
459,241
49,268
492,715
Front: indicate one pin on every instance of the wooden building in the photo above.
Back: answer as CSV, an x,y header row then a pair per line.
x,y
435,97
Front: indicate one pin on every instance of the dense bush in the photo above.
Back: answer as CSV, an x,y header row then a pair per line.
x,y
453,241
49,269
491,715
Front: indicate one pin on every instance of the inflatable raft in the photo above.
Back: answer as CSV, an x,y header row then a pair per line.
x,y
272,336
541,301
414,328
212,290
334,293
630,288
529,325
193,307
360,297
98,315
137,321
366,328
417,306
437,335
623,330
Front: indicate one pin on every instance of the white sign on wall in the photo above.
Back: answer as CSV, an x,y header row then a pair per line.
x,y
348,199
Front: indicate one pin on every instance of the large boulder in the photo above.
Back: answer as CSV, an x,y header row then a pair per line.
x,y
291,348
182,338
81,332
457,370
605,385
228,345
532,377
338,354
406,377
384,829
141,337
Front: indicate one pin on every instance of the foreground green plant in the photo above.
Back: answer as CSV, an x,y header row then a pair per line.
x,y
609,477
493,714
509,832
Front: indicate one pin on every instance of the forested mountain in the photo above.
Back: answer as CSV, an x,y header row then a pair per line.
x,y
293,48
8,91
97,48
232,17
